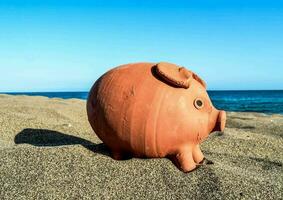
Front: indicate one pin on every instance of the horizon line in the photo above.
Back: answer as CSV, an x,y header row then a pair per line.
x,y
212,90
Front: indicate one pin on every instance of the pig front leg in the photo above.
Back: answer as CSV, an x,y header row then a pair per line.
x,y
197,154
185,160
199,157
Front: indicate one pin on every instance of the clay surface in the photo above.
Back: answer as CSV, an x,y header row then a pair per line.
x,y
153,110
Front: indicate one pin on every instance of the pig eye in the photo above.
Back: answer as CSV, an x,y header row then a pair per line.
x,y
198,103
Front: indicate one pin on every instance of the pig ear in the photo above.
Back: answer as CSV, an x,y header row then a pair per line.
x,y
197,78
175,75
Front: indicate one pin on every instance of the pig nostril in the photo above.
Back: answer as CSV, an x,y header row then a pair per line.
x,y
222,120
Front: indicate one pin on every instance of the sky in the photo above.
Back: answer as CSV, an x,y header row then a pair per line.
x,y
66,45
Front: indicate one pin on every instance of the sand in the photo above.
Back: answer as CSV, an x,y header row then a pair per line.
x,y
49,151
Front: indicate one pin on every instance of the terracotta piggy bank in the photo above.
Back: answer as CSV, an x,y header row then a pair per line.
x,y
153,110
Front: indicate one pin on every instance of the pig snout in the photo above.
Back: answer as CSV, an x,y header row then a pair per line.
x,y
220,121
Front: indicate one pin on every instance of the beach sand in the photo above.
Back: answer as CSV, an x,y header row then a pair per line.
x,y
49,151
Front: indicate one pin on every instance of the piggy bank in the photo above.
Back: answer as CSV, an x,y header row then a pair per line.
x,y
153,110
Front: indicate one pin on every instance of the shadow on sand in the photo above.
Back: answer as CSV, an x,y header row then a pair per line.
x,y
49,138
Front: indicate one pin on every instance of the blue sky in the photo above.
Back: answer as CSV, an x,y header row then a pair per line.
x,y
66,45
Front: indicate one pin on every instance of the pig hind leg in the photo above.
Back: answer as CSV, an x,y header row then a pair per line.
x,y
117,155
120,155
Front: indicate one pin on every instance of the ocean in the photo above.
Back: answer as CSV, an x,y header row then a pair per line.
x,y
263,101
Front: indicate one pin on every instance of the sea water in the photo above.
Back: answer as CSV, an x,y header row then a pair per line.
x,y
264,101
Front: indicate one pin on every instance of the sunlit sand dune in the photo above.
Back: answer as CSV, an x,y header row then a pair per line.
x,y
49,151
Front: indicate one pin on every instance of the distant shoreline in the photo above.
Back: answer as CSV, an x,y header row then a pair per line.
x,y
267,90
258,101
